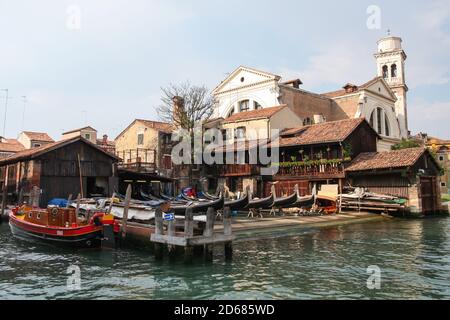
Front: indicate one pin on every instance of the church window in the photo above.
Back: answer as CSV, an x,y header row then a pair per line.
x,y
256,105
231,112
385,72
244,105
372,120
394,71
386,126
379,113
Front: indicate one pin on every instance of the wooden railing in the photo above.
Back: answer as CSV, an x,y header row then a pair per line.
x,y
230,170
138,166
325,170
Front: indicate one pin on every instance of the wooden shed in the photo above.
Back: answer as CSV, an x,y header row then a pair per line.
x,y
411,173
60,168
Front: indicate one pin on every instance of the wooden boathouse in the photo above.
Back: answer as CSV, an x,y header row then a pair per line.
x,y
412,174
318,154
59,169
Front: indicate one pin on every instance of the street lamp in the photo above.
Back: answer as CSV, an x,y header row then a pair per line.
x,y
6,110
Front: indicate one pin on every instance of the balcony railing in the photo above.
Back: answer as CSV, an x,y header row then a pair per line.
x,y
333,168
230,170
138,166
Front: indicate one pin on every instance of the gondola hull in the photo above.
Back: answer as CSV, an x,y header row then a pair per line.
x,y
237,204
265,203
286,201
197,207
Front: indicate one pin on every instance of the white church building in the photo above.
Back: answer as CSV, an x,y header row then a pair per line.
x,y
382,100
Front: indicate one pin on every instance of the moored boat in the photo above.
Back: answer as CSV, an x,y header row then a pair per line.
x,y
59,226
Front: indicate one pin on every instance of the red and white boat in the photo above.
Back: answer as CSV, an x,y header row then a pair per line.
x,y
60,226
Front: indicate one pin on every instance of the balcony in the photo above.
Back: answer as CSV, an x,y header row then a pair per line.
x,y
235,170
315,169
137,160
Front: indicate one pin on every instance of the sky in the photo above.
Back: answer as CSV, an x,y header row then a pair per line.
x,y
103,62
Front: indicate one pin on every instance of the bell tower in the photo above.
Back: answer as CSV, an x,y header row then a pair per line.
x,y
391,66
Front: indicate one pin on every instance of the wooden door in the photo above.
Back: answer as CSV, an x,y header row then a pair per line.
x,y
428,194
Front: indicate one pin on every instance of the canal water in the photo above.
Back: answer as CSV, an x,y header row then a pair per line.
x,y
413,257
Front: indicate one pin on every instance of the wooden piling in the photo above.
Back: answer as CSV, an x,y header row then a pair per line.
x,y
68,201
159,229
5,193
208,232
125,211
227,231
188,233
171,233
20,200
111,202
36,196
77,210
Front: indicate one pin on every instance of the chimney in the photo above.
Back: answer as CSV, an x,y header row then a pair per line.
x,y
105,139
350,87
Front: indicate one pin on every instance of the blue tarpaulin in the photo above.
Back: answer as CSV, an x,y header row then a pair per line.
x,y
62,203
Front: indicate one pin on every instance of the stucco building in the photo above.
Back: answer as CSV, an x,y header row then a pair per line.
x,y
381,100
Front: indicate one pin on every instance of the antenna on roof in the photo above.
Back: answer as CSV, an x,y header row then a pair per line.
x,y
388,32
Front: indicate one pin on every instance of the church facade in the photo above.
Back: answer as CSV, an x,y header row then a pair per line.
x,y
381,100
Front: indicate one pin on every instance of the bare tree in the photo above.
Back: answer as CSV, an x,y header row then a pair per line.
x,y
195,104
185,106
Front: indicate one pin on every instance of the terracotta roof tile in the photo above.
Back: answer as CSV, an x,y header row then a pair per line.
x,y
333,131
384,160
79,129
254,114
38,136
11,145
159,126
342,92
28,154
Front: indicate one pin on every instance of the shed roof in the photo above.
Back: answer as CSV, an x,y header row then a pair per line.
x,y
38,136
254,114
388,159
30,154
326,132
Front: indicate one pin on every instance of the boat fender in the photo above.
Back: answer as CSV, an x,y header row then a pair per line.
x,y
97,219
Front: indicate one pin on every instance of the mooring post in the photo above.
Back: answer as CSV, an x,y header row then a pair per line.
x,y
5,193
111,202
36,196
159,229
125,211
68,200
209,232
20,200
188,233
227,231
77,210
171,233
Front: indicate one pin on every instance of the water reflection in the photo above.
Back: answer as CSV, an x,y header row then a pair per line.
x,y
327,263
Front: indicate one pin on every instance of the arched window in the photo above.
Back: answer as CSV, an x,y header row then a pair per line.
x,y
244,105
256,105
394,71
379,115
385,72
377,118
386,126
231,112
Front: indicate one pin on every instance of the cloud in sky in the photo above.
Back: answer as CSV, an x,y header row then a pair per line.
x,y
114,66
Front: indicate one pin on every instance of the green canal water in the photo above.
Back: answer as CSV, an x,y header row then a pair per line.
x,y
329,263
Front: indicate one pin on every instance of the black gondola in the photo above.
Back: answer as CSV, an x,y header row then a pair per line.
x,y
197,207
285,201
264,203
237,204
301,202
